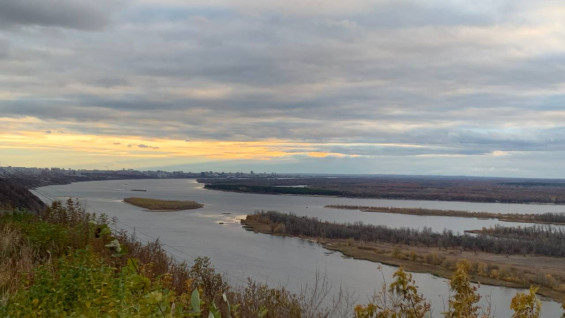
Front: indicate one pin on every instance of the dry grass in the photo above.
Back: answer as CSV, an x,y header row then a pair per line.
x,y
17,260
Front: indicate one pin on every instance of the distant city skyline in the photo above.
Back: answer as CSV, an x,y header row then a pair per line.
x,y
341,87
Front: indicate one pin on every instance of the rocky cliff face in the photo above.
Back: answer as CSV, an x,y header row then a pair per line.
x,y
13,195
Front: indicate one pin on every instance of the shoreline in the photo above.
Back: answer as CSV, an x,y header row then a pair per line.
x,y
412,259
313,195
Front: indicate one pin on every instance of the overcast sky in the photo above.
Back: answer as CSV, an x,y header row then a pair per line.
x,y
406,87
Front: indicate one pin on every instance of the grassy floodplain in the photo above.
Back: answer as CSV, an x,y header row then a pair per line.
x,y
163,205
544,218
505,261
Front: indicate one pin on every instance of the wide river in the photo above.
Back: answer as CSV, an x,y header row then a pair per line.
x,y
279,261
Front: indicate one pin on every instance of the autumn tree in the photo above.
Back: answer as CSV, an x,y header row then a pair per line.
x,y
409,303
401,301
526,305
462,304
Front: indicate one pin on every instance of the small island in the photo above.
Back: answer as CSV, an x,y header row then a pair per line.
x,y
543,218
163,205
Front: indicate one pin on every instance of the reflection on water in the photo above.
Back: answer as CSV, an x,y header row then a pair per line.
x,y
280,261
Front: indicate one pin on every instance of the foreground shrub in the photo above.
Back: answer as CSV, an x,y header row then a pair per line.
x,y
401,300
526,305
69,263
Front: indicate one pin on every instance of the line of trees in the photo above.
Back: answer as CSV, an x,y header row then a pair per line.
x,y
419,188
551,218
540,232
271,189
536,240
555,218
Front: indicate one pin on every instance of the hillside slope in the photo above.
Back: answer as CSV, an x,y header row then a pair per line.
x,y
16,196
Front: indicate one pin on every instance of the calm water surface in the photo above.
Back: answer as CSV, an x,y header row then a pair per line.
x,y
280,261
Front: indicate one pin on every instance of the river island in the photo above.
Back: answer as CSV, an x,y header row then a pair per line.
x,y
503,257
539,218
163,205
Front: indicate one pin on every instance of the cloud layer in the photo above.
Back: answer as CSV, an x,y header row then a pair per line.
x,y
72,14
372,81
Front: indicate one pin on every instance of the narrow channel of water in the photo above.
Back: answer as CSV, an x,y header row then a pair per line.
x,y
279,261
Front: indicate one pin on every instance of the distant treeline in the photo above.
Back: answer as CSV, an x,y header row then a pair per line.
x,y
530,232
531,184
539,241
553,218
271,190
418,188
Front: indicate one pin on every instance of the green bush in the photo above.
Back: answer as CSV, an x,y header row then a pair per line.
x,y
82,285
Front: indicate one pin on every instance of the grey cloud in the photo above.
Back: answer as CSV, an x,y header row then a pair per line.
x,y
74,14
241,121
107,81
397,73
4,48
146,146
420,13
520,165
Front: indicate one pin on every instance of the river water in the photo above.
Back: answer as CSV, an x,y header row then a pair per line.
x,y
279,261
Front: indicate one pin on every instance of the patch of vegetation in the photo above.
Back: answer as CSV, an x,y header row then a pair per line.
x,y
534,233
539,242
466,189
402,299
413,248
163,205
272,190
67,262
544,218
533,184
